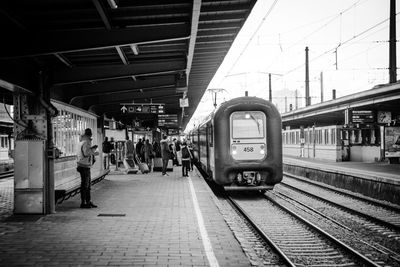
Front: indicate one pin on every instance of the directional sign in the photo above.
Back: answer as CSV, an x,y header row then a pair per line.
x,y
143,108
124,109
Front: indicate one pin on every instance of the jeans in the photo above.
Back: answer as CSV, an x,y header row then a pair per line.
x,y
185,167
106,160
164,165
85,184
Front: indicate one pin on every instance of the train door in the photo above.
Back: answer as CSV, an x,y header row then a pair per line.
x,y
208,130
345,144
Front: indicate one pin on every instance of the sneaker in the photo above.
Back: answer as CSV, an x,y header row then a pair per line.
x,y
92,205
85,206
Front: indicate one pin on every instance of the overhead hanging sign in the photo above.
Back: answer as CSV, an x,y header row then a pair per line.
x,y
168,120
184,102
154,108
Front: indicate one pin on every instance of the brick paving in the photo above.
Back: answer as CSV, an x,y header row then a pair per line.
x,y
159,228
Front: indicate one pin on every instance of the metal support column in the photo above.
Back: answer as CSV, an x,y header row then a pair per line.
x,y
34,153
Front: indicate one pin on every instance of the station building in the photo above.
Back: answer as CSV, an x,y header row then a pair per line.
x,y
361,127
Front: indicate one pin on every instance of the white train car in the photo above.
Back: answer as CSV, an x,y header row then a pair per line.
x,y
314,142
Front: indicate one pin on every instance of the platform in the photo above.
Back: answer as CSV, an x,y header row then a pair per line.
x,y
142,220
379,180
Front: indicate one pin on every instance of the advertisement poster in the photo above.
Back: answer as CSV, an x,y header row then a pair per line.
x,y
392,142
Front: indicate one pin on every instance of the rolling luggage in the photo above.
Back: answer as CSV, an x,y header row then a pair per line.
x,y
142,166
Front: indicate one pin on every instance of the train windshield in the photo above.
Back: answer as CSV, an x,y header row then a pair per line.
x,y
248,124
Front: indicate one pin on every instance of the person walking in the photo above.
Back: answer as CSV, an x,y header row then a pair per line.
x,y
86,155
139,149
148,153
129,149
186,157
165,154
106,148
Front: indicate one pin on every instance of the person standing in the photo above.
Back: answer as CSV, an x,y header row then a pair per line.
x,y
190,147
178,152
106,148
86,154
186,157
147,151
165,154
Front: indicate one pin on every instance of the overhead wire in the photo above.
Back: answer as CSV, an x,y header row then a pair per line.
x,y
251,38
333,18
343,43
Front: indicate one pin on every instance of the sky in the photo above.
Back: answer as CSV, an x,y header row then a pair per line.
x,y
347,42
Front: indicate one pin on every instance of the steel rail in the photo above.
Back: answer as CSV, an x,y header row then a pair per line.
x,y
364,215
263,235
340,191
339,243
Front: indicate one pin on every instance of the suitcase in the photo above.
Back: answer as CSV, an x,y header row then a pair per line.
x,y
142,166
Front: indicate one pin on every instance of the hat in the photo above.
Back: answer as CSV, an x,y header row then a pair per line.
x,y
88,132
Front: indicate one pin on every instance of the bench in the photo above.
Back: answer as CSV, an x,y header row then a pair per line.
x,y
73,187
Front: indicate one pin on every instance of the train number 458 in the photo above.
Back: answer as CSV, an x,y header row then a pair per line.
x,y
248,149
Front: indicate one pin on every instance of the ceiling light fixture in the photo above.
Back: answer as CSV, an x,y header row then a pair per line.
x,y
112,4
135,49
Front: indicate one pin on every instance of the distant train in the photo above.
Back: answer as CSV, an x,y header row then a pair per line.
x,y
239,145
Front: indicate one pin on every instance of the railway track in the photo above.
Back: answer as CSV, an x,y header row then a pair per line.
x,y
387,215
298,241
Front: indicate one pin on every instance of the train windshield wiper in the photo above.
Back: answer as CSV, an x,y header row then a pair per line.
x,y
258,124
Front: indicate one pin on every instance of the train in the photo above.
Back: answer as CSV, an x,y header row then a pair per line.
x,y
239,145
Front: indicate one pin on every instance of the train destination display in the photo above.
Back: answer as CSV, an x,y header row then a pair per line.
x,y
168,120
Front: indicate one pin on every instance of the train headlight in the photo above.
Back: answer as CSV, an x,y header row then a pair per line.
x,y
247,116
234,152
239,177
258,177
262,149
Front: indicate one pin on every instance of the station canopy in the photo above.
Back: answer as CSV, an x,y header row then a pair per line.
x,y
97,54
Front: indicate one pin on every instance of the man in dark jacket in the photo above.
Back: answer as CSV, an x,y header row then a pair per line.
x,y
107,147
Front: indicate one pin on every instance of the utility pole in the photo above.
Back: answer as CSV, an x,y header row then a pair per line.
x,y
307,80
285,104
322,86
270,87
392,43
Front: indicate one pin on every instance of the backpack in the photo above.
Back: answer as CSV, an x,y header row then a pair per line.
x,y
185,153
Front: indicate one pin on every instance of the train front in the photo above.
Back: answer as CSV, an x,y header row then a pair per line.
x,y
248,154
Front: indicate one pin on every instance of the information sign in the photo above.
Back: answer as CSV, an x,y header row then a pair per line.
x,y
168,120
362,116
